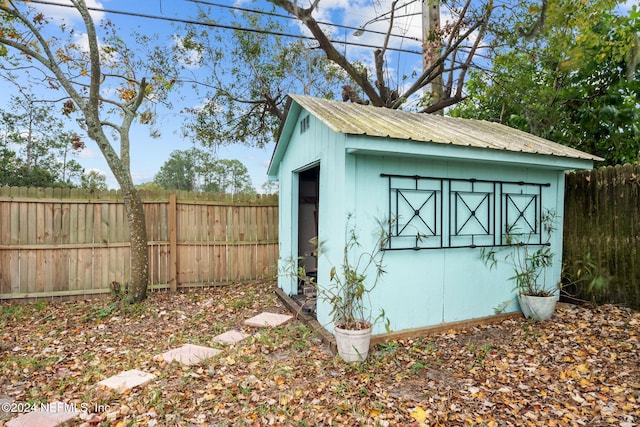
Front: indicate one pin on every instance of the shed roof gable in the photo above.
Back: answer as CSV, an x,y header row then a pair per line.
x,y
354,119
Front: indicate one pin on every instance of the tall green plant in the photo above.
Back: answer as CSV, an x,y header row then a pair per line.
x,y
528,260
349,292
351,283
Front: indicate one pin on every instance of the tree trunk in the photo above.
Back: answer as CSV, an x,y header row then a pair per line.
x,y
86,96
138,240
139,255
432,47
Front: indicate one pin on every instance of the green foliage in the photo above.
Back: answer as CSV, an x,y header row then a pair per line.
x,y
449,53
246,99
149,186
232,177
567,72
99,312
93,180
36,148
178,172
584,277
118,291
198,170
528,260
351,285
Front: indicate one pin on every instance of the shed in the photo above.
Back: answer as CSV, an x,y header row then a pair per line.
x,y
450,186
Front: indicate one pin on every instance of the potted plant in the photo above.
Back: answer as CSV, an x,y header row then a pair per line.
x,y
530,263
348,294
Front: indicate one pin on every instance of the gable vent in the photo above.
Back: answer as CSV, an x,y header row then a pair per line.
x,y
304,124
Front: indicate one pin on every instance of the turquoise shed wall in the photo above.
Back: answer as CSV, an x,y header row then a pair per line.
x,y
421,288
317,146
432,286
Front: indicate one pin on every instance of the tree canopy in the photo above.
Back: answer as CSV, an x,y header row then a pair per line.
x,y
567,73
36,148
251,74
198,170
560,69
246,101
98,81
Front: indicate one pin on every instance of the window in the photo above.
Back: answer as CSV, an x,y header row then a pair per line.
x,y
436,213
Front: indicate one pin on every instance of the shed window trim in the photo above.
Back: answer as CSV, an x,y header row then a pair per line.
x,y
439,213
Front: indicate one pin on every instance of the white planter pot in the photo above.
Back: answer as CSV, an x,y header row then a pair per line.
x,y
537,308
353,345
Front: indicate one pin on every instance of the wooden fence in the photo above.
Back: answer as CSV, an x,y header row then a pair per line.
x,y
602,231
74,243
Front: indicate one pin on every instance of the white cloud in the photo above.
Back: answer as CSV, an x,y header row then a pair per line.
x,y
141,177
625,7
88,153
189,58
108,58
96,170
64,13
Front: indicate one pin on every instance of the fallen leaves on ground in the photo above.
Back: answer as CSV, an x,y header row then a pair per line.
x,y
580,368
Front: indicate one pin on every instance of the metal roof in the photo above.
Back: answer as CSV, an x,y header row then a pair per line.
x,y
355,119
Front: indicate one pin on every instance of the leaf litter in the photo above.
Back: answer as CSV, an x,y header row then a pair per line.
x,y
580,368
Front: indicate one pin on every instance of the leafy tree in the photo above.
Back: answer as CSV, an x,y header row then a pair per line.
x,y
9,165
569,73
149,186
15,173
270,187
178,172
233,177
198,170
205,170
41,143
82,70
93,180
453,54
245,102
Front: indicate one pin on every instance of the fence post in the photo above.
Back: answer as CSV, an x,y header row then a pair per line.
x,y
173,243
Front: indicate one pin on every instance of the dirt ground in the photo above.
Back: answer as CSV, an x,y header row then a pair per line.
x,y
582,368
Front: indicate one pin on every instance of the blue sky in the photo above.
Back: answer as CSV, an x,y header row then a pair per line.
x,y
147,153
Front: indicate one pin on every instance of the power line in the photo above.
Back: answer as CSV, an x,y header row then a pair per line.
x,y
215,25
278,15
380,17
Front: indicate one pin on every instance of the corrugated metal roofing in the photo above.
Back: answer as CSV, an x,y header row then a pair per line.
x,y
355,119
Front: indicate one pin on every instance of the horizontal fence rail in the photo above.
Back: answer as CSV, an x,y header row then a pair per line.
x,y
75,243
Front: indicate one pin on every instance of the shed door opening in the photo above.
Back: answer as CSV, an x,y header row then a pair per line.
x,y
308,193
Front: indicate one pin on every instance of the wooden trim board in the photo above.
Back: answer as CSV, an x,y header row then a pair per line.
x,y
329,339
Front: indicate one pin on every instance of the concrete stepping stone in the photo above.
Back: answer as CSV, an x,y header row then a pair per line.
x,y
48,415
231,337
266,320
127,380
190,354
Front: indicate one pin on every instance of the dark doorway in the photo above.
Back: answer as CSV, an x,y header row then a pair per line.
x,y
308,199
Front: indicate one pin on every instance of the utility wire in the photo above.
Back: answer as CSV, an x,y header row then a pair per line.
x,y
278,15
380,17
214,25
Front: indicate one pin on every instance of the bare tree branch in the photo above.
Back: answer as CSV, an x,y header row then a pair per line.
x,y
304,15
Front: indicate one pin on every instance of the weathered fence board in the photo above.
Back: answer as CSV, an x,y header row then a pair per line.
x,y
56,242
602,222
